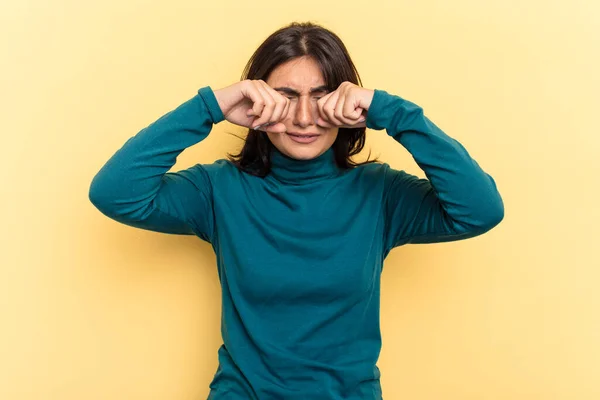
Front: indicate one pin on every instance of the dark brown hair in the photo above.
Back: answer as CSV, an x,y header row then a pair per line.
x,y
326,48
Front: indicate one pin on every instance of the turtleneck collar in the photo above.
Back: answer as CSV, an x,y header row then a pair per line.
x,y
289,170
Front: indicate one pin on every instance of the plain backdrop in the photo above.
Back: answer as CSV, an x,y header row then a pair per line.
x,y
92,309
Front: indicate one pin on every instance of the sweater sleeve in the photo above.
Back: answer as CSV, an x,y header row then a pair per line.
x,y
134,187
458,200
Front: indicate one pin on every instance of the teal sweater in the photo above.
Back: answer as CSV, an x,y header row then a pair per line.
x,y
299,252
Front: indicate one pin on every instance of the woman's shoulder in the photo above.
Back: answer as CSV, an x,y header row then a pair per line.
x,y
221,165
374,168
203,172
378,171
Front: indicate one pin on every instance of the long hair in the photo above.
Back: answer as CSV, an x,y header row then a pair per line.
x,y
326,48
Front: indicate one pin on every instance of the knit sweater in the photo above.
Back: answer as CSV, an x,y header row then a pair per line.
x,y
299,252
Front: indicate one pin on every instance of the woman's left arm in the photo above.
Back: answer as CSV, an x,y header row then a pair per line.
x,y
458,200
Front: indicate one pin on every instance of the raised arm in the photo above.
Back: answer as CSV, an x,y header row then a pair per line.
x,y
134,187
458,200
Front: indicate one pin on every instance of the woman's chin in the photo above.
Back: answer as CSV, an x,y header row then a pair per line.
x,y
303,153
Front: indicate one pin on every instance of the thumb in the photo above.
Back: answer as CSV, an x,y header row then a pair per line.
x,y
275,128
357,113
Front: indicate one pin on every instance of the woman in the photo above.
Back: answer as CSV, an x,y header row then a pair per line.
x,y
299,230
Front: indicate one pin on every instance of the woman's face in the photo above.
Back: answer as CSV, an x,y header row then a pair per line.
x,y
302,82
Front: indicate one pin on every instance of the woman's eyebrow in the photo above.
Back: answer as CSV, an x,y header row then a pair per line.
x,y
292,92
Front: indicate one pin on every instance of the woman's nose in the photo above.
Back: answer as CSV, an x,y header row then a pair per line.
x,y
305,113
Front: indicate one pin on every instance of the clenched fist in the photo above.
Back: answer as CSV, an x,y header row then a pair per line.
x,y
252,104
346,107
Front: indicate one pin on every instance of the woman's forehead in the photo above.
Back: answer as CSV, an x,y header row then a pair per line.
x,y
302,74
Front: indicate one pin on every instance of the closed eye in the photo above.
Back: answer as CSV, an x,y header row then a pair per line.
x,y
292,94
296,98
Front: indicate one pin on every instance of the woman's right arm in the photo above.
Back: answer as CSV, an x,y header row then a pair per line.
x,y
134,187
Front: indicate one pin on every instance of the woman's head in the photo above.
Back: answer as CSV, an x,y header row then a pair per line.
x,y
303,61
302,81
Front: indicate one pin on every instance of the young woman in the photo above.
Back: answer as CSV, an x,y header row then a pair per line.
x,y
300,231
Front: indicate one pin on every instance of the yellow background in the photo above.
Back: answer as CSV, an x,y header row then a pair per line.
x,y
92,309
